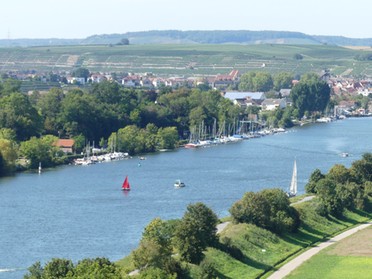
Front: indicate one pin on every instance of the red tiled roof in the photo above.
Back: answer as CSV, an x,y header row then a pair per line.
x,y
65,142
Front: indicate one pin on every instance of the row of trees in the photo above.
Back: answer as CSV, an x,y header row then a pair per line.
x,y
106,112
264,81
86,268
100,114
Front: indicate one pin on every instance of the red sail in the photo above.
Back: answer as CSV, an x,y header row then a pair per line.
x,y
126,185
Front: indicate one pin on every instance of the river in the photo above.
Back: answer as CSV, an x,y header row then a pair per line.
x,y
77,212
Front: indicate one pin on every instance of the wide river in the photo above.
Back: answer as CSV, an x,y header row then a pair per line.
x,y
78,212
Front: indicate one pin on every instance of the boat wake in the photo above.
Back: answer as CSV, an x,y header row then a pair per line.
x,y
11,269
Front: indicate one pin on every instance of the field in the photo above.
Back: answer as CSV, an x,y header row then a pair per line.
x,y
350,258
187,60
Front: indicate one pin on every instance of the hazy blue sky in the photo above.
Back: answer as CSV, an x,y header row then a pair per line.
x,y
81,18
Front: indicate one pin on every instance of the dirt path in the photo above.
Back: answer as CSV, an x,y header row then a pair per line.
x,y
296,262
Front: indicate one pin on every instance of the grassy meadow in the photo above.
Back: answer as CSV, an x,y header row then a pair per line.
x,y
187,60
263,251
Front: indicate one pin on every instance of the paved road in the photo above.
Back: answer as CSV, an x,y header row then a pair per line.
x,y
296,262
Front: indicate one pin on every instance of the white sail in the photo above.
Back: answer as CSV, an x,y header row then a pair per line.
x,y
293,187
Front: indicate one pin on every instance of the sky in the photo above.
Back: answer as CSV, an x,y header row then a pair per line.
x,y
83,18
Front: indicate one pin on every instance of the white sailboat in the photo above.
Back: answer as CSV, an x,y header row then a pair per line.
x,y
293,187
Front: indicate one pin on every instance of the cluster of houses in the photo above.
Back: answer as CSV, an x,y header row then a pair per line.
x,y
223,82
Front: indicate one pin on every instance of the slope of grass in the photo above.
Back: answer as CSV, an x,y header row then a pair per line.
x,y
260,250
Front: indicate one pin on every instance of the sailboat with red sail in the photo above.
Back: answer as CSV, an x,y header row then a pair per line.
x,y
126,186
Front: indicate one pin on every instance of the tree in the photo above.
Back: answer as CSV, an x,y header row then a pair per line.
x,y
18,114
58,268
155,249
246,82
315,176
262,82
8,155
168,137
40,150
310,95
196,231
329,197
268,209
340,174
256,81
98,268
49,105
283,80
35,271
362,169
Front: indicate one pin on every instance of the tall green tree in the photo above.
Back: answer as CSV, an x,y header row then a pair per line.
x,y
17,113
40,150
268,209
196,231
49,105
256,81
283,80
310,95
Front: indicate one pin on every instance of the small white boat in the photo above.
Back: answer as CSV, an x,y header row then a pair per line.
x,y
179,184
344,154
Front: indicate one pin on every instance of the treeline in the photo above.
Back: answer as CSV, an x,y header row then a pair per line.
x,y
135,120
171,249
342,188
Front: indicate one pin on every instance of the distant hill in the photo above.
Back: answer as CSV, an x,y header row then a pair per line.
x,y
196,37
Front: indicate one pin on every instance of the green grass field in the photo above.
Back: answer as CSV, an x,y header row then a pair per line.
x,y
334,267
188,60
350,258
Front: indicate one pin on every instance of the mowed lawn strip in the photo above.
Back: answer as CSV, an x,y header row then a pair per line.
x,y
349,258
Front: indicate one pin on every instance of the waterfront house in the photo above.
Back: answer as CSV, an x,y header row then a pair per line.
x,y
66,145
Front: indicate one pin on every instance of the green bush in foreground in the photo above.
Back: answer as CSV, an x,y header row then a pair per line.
x,y
268,209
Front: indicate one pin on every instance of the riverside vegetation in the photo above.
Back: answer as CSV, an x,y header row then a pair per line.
x,y
265,230
135,120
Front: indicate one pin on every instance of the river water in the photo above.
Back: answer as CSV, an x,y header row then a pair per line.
x,y
77,212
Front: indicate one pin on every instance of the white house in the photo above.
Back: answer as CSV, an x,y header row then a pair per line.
x,y
273,104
